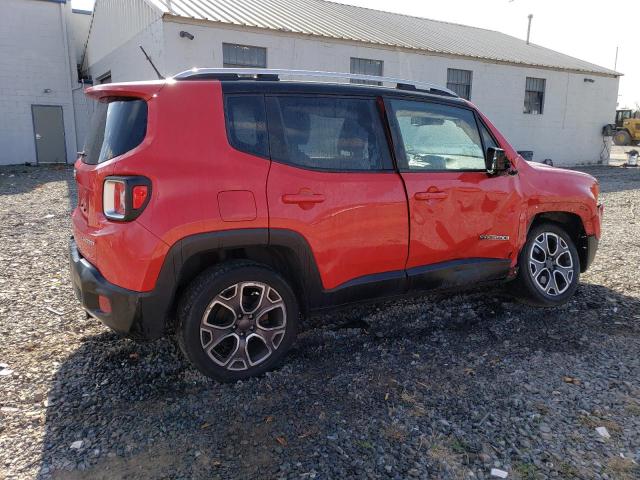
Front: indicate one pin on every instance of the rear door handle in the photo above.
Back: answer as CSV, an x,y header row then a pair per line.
x,y
423,196
301,198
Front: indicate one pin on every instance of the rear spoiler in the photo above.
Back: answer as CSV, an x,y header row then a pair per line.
x,y
144,90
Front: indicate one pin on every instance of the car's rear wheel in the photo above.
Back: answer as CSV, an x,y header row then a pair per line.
x,y
548,267
237,320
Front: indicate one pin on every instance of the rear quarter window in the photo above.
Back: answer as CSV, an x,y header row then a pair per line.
x,y
117,127
247,124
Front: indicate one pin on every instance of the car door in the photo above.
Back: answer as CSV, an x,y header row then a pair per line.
x,y
461,219
332,181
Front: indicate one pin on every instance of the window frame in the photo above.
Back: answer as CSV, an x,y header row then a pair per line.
x,y
451,70
400,155
365,82
542,92
481,125
390,168
236,65
104,79
227,124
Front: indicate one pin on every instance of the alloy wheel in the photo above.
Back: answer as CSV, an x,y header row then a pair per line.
x,y
551,264
243,325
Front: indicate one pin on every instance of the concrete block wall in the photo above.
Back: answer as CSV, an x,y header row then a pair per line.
x,y
34,57
127,62
115,22
83,108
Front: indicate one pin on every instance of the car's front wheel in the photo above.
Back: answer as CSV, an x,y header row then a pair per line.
x,y
237,320
622,138
548,267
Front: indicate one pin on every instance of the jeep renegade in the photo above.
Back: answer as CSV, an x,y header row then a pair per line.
x,y
220,206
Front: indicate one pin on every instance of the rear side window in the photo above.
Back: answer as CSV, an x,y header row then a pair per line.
x,y
247,124
327,133
117,127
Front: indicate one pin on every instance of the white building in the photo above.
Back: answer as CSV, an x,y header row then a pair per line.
x,y
37,76
543,101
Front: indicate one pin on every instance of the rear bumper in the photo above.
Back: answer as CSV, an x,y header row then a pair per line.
x,y
139,315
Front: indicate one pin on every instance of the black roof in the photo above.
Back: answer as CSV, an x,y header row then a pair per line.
x,y
324,88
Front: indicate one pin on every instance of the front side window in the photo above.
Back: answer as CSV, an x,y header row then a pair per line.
x,y
327,133
243,56
247,124
117,127
460,82
436,137
534,96
487,138
365,66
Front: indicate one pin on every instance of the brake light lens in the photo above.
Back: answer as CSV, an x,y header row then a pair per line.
x,y
139,196
125,198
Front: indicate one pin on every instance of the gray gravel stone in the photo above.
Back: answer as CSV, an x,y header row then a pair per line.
x,y
444,386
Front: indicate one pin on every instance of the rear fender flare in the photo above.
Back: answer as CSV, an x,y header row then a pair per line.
x,y
289,250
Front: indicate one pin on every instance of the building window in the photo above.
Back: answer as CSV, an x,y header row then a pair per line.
x,y
243,56
104,78
364,66
460,82
534,96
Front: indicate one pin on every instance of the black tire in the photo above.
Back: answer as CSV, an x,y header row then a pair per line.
x,y
236,286
558,284
622,138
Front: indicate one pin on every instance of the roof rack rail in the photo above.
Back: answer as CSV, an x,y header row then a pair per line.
x,y
275,74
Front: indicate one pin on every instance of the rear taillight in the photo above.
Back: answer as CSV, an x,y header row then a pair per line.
x,y
114,199
124,198
140,193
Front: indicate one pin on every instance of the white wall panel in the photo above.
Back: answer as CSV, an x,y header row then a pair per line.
x,y
568,132
115,23
34,69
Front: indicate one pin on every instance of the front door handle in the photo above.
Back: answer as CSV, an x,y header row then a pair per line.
x,y
302,198
423,196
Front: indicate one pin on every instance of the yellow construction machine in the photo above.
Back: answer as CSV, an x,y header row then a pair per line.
x,y
627,128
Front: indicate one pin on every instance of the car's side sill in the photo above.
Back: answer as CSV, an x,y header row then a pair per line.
x,y
381,286
457,273
378,285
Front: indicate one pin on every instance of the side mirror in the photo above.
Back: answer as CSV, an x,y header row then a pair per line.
x,y
496,161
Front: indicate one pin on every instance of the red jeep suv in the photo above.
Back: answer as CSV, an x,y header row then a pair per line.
x,y
220,205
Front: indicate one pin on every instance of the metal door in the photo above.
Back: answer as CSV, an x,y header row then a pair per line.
x,y
48,129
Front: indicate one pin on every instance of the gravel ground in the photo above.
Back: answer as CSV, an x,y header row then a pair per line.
x,y
446,386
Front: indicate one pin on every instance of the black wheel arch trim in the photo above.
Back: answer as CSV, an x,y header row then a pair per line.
x,y
158,310
571,222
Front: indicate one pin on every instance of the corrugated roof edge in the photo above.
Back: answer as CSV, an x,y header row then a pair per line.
x,y
602,70
603,73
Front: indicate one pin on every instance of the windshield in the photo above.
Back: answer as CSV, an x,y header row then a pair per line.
x,y
117,126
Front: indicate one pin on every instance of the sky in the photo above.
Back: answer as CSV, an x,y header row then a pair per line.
x,y
587,29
